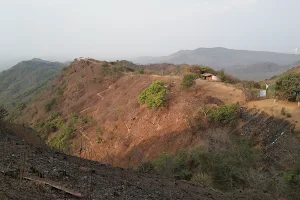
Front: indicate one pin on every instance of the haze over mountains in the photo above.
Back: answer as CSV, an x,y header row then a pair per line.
x,y
241,63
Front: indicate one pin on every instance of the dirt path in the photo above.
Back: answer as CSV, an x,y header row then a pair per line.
x,y
274,109
99,93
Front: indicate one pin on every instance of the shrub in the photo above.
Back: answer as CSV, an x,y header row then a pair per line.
x,y
145,167
60,90
140,71
3,113
203,178
225,114
225,170
288,85
61,141
52,124
99,140
292,178
64,68
188,81
154,95
164,164
50,104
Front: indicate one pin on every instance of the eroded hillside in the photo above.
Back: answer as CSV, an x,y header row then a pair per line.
x,y
30,170
98,102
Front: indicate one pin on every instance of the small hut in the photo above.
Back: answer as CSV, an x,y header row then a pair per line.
x,y
209,77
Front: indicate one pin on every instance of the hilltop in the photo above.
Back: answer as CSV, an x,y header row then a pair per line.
x,y
236,62
115,126
22,81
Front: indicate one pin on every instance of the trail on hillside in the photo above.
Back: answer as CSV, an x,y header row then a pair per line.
x,y
99,93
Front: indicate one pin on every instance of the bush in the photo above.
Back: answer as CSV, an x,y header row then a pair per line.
x,y
225,114
3,113
292,178
287,86
225,170
203,178
99,140
52,124
154,95
188,81
50,104
61,141
140,71
60,90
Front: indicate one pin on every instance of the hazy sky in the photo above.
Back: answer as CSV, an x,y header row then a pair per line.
x,y
116,29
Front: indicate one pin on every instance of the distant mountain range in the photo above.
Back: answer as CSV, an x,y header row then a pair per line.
x,y
25,79
252,65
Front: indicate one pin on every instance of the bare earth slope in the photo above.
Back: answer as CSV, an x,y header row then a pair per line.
x,y
119,120
32,171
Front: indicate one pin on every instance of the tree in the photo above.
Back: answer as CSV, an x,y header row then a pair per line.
x,y
3,113
288,86
188,81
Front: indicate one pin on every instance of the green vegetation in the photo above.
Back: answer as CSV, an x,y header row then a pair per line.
x,y
62,140
81,119
225,170
224,114
53,123
188,81
203,179
24,80
59,131
288,86
64,69
140,70
155,95
48,107
114,70
292,178
99,140
60,90
222,75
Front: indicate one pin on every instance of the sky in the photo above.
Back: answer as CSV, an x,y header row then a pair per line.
x,y
123,29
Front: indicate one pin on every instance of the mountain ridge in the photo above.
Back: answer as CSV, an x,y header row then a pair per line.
x,y
23,80
228,59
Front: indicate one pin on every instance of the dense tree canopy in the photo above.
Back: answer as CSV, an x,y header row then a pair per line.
x,y
288,86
